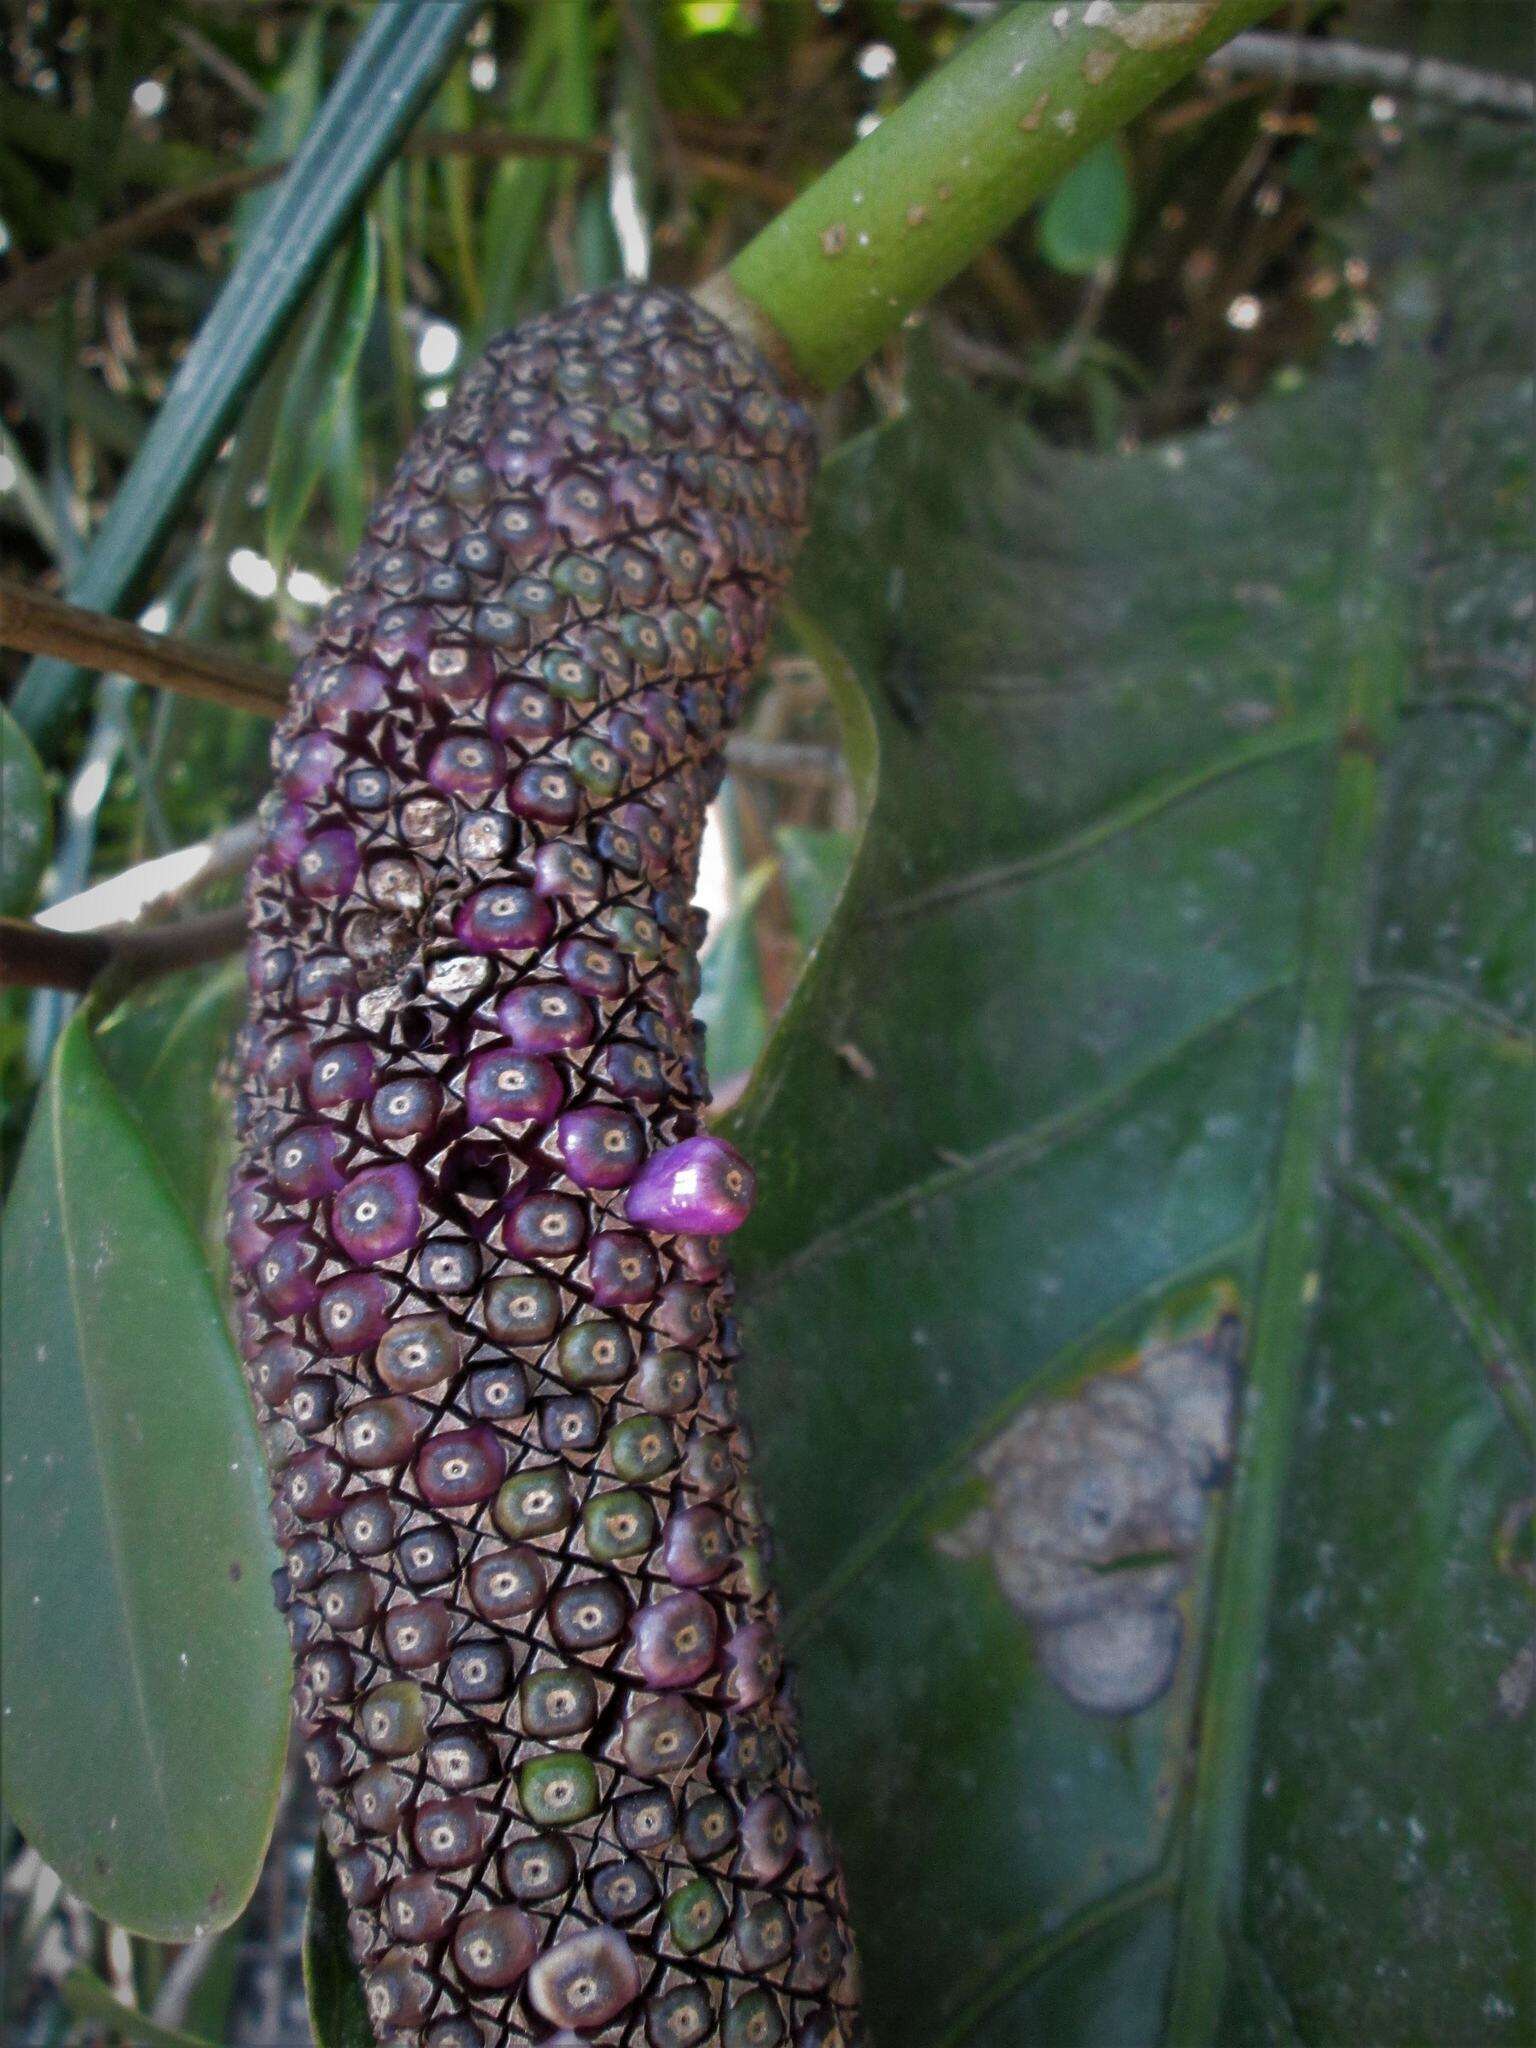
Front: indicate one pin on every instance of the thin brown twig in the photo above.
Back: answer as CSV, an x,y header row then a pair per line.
x,y
33,624
1314,60
31,956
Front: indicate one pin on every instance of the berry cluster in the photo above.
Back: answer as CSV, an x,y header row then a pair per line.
x,y
476,1225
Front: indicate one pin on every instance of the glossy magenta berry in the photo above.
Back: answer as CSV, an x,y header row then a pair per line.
x,y
702,1186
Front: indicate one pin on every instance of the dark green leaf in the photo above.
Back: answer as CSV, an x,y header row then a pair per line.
x,y
1086,222
392,69
88,1998
338,2007
321,380
145,1671
26,819
1178,1010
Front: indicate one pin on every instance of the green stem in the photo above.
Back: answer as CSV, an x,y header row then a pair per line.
x,y
841,268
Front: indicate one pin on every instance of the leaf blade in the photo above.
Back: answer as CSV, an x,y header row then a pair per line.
x,y
1112,699
136,1535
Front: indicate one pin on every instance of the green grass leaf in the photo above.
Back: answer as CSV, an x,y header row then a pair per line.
x,y
393,68
145,1672
322,379
26,819
338,2007
1187,962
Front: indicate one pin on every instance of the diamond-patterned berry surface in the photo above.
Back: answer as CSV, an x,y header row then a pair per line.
x,y
537,1659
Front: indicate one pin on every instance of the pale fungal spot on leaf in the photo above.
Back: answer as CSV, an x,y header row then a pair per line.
x,y
1030,121
1163,22
1098,64
834,240
1095,1510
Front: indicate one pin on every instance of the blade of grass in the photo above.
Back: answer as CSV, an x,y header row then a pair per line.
x,y
322,379
394,65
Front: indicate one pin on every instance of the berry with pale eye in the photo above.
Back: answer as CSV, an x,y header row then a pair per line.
x,y
602,1148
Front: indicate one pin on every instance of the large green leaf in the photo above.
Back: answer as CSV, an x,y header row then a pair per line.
x,y
1173,1042
145,1671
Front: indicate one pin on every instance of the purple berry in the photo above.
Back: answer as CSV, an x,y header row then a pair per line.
x,y
353,1312
602,1148
510,1087
702,1186
378,1214
675,1641
503,919
461,1467
546,1017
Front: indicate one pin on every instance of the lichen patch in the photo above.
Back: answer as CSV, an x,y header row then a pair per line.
x,y
1095,1510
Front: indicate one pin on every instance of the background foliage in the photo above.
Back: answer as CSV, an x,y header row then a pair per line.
x,y
1193,513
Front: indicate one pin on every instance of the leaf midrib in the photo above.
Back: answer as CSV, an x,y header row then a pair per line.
x,y
1373,662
